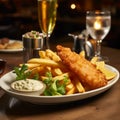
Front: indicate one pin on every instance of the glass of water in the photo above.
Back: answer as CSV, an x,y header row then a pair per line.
x,y
98,25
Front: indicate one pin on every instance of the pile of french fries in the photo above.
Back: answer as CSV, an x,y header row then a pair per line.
x,y
49,61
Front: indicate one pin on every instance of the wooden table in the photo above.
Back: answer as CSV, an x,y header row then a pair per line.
x,y
105,106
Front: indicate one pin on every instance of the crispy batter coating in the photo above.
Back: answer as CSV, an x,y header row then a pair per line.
x,y
87,73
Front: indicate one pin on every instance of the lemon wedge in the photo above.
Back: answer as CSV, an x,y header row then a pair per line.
x,y
94,60
108,73
100,65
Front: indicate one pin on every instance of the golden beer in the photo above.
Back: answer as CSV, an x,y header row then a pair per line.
x,y
47,11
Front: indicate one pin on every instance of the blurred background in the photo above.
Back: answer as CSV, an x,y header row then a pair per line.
x,y
20,16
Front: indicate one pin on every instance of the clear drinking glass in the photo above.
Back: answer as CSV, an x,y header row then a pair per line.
x,y
98,25
47,13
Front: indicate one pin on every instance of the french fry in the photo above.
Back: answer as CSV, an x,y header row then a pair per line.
x,y
42,54
45,69
94,60
31,66
48,68
71,91
52,55
82,53
34,70
61,77
79,86
45,62
56,72
39,70
69,86
43,78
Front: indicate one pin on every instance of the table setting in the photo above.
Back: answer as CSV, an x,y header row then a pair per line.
x,y
44,74
10,46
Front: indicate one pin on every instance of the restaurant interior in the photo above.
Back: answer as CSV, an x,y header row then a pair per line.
x,y
98,80
18,17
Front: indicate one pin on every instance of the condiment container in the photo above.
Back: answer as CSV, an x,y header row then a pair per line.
x,y
28,87
32,43
81,43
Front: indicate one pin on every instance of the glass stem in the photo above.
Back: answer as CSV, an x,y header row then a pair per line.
x,y
46,43
98,48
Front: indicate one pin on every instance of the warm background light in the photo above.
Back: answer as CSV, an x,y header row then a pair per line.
x,y
73,6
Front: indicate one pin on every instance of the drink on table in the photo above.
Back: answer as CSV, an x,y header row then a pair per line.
x,y
47,12
98,24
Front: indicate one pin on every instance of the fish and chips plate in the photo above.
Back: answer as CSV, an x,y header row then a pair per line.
x,y
67,78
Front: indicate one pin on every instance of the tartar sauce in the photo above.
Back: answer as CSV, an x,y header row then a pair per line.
x,y
27,85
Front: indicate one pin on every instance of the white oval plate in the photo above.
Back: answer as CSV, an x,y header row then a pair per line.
x,y
12,50
6,80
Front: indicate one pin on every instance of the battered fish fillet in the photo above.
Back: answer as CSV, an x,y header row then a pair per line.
x,y
86,72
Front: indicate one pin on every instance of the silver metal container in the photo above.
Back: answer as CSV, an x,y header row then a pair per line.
x,y
31,47
81,43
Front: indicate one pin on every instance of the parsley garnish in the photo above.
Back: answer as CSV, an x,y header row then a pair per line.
x,y
54,87
21,72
